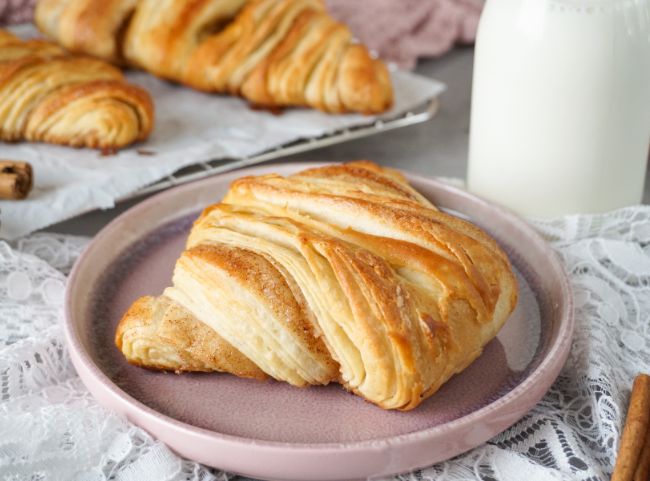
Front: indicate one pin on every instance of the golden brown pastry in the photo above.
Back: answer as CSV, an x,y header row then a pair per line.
x,y
272,52
50,96
342,274
159,334
95,28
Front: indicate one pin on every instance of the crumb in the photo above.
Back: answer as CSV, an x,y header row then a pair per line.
x,y
272,109
108,151
145,152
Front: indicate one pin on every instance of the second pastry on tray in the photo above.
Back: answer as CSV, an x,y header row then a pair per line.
x,y
272,52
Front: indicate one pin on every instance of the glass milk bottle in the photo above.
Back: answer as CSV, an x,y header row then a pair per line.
x,y
561,105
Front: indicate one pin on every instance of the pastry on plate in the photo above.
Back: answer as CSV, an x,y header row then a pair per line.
x,y
342,273
48,95
274,53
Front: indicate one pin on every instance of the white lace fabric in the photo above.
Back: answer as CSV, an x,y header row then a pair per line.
x,y
52,429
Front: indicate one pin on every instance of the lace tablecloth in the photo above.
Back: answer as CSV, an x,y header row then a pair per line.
x,y
51,428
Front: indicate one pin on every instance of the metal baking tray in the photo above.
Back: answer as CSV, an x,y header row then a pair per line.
x,y
206,169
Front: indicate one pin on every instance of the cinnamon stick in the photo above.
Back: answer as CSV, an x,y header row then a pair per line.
x,y
634,450
642,472
15,179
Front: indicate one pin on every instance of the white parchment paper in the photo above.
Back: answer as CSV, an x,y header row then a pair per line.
x,y
190,127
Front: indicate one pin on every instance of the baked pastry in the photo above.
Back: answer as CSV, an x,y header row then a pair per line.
x,y
339,274
50,96
160,334
272,52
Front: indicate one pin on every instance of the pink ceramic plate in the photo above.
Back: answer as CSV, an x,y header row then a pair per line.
x,y
272,430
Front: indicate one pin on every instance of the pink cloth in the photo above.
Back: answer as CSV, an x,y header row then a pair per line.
x,y
403,30
398,30
16,11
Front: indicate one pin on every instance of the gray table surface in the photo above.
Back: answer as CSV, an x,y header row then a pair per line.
x,y
435,148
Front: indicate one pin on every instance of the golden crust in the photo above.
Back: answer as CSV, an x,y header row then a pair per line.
x,y
399,294
12,48
162,35
159,334
121,114
364,82
49,96
274,53
94,27
267,322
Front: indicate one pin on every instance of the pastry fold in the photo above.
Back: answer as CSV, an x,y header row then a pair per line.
x,y
274,53
47,95
160,334
344,274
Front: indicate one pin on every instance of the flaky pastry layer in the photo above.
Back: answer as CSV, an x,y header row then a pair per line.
x,y
344,274
50,96
272,52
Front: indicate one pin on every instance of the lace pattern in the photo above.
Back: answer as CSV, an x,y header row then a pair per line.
x,y
572,434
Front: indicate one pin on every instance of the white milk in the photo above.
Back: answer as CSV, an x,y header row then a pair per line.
x,y
561,105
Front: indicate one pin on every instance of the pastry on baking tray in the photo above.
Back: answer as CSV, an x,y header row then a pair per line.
x,y
341,273
51,96
272,52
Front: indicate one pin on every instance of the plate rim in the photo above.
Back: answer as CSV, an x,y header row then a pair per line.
x,y
553,361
